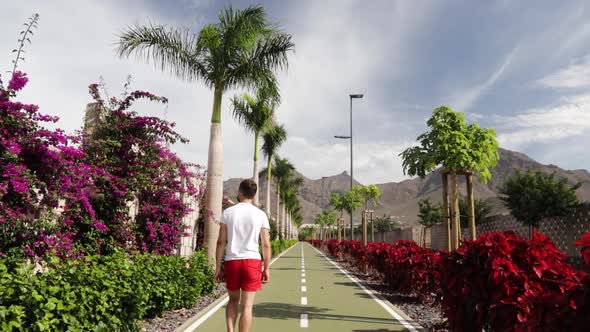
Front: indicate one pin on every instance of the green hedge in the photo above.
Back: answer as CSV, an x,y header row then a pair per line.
x,y
102,293
279,246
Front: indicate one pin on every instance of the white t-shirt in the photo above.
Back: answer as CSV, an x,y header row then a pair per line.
x,y
244,222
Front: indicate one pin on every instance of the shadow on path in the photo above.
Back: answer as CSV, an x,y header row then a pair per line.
x,y
289,311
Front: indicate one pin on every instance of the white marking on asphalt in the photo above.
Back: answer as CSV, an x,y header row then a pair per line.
x,y
223,302
304,300
387,308
304,323
302,274
303,289
303,280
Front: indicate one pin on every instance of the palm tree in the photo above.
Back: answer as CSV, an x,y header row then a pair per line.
x,y
242,50
289,191
272,138
282,169
256,114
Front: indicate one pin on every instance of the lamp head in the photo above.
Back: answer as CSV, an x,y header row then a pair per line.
x,y
358,95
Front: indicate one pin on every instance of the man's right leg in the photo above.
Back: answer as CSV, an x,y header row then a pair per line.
x,y
231,312
246,314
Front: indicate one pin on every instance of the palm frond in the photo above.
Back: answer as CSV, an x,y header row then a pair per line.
x,y
242,28
242,112
169,49
272,139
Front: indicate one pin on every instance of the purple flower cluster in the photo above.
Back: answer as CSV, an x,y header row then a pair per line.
x,y
69,195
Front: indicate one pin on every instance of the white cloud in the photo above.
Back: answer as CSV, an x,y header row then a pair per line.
x,y
464,99
569,117
340,49
373,163
573,76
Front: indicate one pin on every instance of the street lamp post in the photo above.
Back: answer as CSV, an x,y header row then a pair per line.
x,y
352,96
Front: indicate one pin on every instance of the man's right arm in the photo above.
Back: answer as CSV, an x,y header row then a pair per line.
x,y
266,254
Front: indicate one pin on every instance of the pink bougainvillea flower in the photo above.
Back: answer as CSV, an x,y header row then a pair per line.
x,y
18,81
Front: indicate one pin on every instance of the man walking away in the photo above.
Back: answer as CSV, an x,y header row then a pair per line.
x,y
241,227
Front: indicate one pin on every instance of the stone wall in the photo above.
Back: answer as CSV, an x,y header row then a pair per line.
x,y
413,233
188,243
562,231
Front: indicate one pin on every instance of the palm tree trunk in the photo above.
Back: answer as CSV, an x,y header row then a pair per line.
x,y
284,220
255,176
214,187
268,175
278,209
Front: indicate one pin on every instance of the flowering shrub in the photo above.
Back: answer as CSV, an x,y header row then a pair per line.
x,y
91,178
501,282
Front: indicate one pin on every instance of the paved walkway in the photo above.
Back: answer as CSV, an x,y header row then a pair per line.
x,y
307,292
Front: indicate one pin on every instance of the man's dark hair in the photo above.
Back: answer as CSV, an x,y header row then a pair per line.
x,y
248,188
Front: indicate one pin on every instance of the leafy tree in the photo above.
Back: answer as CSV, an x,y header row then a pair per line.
x,y
370,194
352,200
242,50
531,197
458,147
483,211
454,144
337,202
429,214
385,224
256,114
325,219
272,139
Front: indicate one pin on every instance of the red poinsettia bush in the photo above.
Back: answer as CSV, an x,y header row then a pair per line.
x,y
333,247
316,243
501,282
584,243
405,266
411,269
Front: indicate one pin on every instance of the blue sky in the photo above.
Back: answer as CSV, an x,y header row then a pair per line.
x,y
520,67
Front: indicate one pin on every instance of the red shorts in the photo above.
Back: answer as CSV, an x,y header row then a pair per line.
x,y
244,274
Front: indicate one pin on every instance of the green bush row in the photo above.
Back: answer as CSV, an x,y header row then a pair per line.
x,y
100,293
279,246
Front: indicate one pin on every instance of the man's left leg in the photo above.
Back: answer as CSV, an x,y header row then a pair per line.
x,y
247,302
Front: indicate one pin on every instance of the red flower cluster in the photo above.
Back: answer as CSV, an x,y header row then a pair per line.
x,y
501,282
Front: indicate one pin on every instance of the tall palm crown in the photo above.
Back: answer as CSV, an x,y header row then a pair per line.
x,y
242,50
256,114
272,139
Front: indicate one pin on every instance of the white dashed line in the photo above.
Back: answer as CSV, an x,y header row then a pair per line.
x,y
304,323
303,280
304,300
303,289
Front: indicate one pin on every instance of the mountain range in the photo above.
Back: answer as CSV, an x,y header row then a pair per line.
x,y
400,199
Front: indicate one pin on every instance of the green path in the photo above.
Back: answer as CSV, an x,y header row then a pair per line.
x,y
334,302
